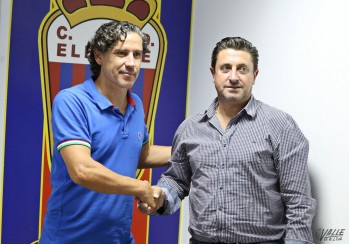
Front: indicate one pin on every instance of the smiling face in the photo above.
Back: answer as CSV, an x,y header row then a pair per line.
x,y
120,65
234,77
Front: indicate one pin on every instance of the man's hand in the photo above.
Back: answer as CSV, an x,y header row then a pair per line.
x,y
147,195
159,199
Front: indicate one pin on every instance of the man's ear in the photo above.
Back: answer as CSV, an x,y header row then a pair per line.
x,y
255,75
212,70
98,56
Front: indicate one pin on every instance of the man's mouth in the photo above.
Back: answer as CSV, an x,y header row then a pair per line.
x,y
127,73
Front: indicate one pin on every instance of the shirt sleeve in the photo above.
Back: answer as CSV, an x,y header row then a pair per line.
x,y
146,137
69,124
175,182
295,187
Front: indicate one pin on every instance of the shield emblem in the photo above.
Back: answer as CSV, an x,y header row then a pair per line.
x,y
62,40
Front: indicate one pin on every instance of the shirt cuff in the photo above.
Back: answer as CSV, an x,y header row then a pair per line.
x,y
171,203
293,241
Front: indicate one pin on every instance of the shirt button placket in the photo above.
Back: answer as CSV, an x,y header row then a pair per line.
x,y
220,183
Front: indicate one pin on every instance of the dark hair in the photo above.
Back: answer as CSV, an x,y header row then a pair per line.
x,y
107,36
236,43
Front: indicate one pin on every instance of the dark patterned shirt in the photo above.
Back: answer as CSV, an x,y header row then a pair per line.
x,y
247,183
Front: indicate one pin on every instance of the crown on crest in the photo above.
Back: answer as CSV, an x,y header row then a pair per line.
x,y
137,12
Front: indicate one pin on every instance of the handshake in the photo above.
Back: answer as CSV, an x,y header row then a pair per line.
x,y
151,198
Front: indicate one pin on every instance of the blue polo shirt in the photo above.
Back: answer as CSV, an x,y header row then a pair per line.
x,y
82,115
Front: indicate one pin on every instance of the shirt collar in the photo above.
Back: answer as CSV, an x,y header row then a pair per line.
x,y
211,110
250,108
103,102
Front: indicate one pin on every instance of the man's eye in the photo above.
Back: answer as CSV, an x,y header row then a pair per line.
x,y
225,68
121,53
137,55
243,69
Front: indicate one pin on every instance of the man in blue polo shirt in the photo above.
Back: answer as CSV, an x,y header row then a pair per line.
x,y
100,140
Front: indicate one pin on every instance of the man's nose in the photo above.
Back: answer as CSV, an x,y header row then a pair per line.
x,y
130,60
233,75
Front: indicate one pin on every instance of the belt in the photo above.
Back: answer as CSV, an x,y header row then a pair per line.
x,y
193,241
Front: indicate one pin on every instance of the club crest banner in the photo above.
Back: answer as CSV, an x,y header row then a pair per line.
x,y
62,39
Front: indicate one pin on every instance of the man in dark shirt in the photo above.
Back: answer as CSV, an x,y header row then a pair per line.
x,y
243,163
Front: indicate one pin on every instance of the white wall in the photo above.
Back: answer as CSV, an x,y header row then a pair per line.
x,y
4,42
304,49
